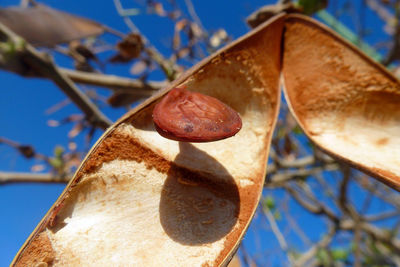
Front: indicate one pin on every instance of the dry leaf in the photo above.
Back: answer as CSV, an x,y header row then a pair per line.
x,y
26,151
72,146
266,12
183,52
218,38
38,168
122,99
53,123
78,127
44,26
129,48
138,67
159,9
195,31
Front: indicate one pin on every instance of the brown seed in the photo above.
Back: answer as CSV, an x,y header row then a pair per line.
x,y
193,117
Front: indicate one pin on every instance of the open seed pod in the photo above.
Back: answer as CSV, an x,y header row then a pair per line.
x,y
347,104
140,199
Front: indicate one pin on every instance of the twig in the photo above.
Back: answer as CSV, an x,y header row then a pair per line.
x,y
114,82
44,65
293,224
323,243
312,205
170,69
278,234
382,216
194,16
285,176
381,11
357,244
22,177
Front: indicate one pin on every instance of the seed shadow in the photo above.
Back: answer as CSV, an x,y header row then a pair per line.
x,y
197,208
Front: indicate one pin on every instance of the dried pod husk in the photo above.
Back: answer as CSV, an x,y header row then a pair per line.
x,y
141,199
188,116
346,103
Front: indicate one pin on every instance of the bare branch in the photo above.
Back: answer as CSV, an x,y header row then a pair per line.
x,y
26,177
171,70
114,82
311,204
382,216
278,234
194,15
285,176
44,65
311,253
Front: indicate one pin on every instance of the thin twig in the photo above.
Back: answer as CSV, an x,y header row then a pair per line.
x,y
311,253
285,176
27,177
194,15
114,82
382,216
170,69
278,234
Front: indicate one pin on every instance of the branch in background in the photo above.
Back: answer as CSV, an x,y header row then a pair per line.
x,y
278,234
264,13
345,224
382,216
194,15
22,177
26,151
311,253
43,64
280,178
114,82
311,205
170,70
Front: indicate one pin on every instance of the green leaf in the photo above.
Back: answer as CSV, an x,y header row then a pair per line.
x,y
323,257
277,215
7,48
297,130
340,254
311,6
58,151
269,202
56,163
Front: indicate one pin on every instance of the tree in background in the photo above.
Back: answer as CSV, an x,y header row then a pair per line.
x,y
315,210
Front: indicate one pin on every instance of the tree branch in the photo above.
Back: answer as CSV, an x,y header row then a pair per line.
x,y
26,177
43,64
114,82
285,176
278,234
323,243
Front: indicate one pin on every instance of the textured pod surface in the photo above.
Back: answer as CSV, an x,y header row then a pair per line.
x,y
140,199
347,104
193,117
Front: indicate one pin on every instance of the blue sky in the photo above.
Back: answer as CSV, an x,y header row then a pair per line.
x,y
23,119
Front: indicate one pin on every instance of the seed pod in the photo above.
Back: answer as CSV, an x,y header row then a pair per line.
x,y
141,199
193,117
